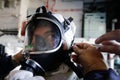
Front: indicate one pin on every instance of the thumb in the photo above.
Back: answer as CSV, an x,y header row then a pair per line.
x,y
77,50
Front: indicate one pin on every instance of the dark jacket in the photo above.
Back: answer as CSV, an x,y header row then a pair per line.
x,y
6,65
102,75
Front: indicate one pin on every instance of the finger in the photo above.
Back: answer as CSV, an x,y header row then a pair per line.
x,y
110,49
83,45
75,58
108,36
104,38
108,43
77,50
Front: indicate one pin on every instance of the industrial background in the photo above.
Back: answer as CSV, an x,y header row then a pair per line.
x,y
91,17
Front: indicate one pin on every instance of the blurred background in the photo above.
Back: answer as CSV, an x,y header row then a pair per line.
x,y
92,18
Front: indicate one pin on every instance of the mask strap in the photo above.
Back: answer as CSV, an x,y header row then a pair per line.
x,y
41,8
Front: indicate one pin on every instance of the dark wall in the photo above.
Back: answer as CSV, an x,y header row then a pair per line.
x,y
113,12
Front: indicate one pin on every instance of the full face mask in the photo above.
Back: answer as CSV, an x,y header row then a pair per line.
x,y
45,36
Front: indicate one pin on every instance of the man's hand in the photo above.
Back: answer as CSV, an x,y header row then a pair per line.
x,y
88,56
18,57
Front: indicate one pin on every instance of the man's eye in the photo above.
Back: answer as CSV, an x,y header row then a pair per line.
x,y
49,34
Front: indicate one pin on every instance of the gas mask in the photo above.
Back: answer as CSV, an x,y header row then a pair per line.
x,y
45,35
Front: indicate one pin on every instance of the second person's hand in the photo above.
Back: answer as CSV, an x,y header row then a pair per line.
x,y
108,45
89,57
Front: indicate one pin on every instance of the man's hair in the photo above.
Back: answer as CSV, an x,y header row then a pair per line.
x,y
44,23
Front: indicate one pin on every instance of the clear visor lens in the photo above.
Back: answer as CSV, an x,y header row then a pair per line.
x,y
44,38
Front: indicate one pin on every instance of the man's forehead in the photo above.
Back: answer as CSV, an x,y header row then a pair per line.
x,y
43,30
44,27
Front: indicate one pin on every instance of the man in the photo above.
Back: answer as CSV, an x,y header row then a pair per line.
x,y
48,40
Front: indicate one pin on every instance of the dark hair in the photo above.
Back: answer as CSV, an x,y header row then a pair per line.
x,y
44,23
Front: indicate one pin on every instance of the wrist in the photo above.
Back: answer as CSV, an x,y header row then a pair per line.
x,y
96,66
